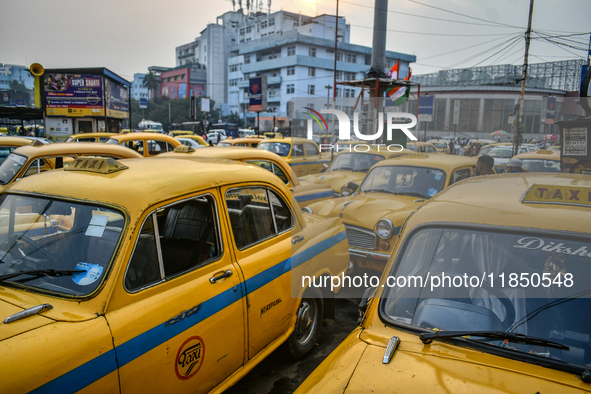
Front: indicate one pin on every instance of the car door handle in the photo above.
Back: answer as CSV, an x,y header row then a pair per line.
x,y
297,240
226,274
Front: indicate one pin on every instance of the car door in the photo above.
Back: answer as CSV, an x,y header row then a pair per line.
x,y
298,160
314,159
261,221
178,320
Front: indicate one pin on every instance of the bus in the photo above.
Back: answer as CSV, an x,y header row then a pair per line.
x,y
231,129
148,125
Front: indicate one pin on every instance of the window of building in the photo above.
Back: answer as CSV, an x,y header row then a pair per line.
x,y
291,51
353,58
272,22
340,56
311,72
242,31
246,59
311,89
312,52
291,70
264,25
330,51
290,88
248,29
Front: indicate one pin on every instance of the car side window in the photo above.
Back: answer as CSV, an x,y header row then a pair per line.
x,y
458,175
256,214
274,168
137,145
297,150
173,240
311,150
430,149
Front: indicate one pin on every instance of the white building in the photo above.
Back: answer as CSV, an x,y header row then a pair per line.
x,y
294,51
137,87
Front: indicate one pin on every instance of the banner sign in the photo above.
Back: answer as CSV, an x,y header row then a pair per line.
x,y
550,110
73,95
117,97
426,108
257,89
143,102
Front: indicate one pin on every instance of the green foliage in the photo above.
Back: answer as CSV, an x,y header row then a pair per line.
x,y
233,118
17,86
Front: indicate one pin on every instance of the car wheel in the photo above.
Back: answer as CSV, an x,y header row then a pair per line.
x,y
307,326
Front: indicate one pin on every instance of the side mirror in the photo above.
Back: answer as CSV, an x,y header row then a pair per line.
x,y
353,186
367,295
324,167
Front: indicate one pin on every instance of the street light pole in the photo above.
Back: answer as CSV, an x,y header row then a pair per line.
x,y
334,79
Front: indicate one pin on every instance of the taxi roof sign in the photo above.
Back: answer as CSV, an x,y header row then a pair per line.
x,y
184,149
560,195
101,165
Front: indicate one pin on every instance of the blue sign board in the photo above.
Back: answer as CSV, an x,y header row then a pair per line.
x,y
426,108
143,103
257,90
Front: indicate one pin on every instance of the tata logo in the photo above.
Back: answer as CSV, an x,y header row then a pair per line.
x,y
255,88
189,358
345,124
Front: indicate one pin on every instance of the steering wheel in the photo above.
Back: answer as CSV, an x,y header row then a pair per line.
x,y
504,300
33,246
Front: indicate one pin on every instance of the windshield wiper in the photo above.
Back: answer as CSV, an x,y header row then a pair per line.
x,y
343,168
379,191
46,272
428,337
412,194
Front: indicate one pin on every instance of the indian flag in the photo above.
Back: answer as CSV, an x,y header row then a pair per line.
x,y
393,73
400,94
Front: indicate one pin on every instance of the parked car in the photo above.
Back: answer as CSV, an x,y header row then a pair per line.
x,y
516,323
90,137
351,166
182,283
33,159
422,147
146,144
190,142
441,146
389,193
251,142
301,154
305,193
196,138
9,144
212,136
540,161
502,154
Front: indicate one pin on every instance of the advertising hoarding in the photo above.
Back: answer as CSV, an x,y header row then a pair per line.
x,y
73,94
257,89
117,99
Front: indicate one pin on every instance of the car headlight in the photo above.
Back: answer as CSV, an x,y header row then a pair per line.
x,y
345,191
306,209
385,228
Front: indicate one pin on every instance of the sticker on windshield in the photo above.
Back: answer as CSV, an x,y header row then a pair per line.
x,y
97,225
437,175
431,192
92,273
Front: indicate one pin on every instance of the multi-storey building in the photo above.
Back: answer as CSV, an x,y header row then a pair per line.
x,y
138,90
295,52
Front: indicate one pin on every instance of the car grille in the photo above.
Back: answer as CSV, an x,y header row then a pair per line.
x,y
360,237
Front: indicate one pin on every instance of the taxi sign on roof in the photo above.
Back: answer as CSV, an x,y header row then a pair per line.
x,y
562,195
184,149
101,165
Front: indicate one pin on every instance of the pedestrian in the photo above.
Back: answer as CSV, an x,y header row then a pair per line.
x,y
217,138
484,165
514,166
451,147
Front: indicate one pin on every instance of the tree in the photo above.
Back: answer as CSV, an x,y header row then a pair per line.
x,y
17,86
152,82
233,118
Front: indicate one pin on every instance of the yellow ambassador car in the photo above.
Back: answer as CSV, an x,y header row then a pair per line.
x,y
305,193
351,166
440,145
146,144
543,160
422,147
156,275
90,137
9,144
251,142
196,138
301,154
389,193
33,159
519,320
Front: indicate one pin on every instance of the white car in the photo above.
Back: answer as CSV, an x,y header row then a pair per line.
x,y
502,154
212,136
190,143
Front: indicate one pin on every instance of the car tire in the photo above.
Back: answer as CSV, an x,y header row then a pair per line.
x,y
307,327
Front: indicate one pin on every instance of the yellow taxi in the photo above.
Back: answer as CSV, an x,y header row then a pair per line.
x,y
422,147
90,137
301,154
440,145
352,166
146,144
520,246
176,133
197,138
389,193
305,193
156,275
33,159
9,144
251,142
543,160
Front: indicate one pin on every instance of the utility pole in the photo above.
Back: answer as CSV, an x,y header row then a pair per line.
x,y
334,79
518,135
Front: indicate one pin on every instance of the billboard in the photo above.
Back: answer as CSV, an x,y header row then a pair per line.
x,y
73,94
257,89
426,108
117,99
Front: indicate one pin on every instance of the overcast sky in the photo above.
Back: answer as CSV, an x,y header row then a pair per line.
x,y
128,36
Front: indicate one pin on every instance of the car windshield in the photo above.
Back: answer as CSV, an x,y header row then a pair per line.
x,y
10,167
405,180
280,148
411,147
361,162
112,141
224,144
501,153
49,234
537,165
519,282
